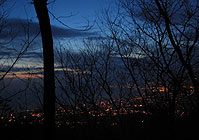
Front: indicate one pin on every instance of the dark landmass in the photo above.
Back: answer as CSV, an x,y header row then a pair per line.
x,y
135,126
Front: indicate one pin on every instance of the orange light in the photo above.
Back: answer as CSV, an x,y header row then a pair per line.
x,y
162,90
139,98
36,115
181,114
114,114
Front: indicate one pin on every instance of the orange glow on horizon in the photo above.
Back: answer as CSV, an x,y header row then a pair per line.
x,y
38,73
25,76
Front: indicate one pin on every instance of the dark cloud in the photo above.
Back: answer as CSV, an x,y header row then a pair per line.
x,y
16,30
5,53
20,28
32,54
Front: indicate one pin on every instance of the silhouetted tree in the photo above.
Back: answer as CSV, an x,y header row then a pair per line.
x,y
49,83
158,43
95,82
179,33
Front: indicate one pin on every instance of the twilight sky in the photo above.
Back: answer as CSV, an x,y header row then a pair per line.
x,y
21,10
81,9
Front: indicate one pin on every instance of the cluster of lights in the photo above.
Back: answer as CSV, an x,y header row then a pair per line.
x,y
65,117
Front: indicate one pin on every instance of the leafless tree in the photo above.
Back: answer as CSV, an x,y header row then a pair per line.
x,y
95,82
158,43
10,54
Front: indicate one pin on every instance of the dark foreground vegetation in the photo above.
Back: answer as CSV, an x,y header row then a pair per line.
x,y
136,126
137,79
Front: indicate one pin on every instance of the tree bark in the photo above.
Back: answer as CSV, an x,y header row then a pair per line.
x,y
48,58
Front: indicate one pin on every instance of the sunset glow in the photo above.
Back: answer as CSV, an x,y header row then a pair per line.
x,y
33,74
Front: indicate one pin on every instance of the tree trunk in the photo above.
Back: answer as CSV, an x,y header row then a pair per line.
x,y
48,56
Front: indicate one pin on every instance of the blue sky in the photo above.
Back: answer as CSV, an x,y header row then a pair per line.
x,y
81,9
21,10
